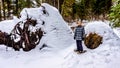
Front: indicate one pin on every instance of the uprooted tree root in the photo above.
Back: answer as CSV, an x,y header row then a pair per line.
x,y
27,39
93,40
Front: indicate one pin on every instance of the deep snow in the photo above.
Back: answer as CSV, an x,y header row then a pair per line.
x,y
55,27
59,38
105,56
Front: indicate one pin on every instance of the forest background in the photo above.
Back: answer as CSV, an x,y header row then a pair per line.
x,y
70,9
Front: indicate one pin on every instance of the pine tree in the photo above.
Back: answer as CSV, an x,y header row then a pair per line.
x,y
107,7
38,2
115,14
96,8
3,4
101,7
81,9
67,8
0,12
16,10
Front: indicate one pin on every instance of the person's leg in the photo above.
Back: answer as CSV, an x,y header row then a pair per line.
x,y
77,46
80,45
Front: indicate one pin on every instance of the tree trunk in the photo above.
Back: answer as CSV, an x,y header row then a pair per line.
x,y
41,1
58,5
28,3
93,40
0,12
3,4
54,3
16,7
8,8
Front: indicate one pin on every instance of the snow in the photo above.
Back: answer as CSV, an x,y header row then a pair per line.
x,y
105,56
7,26
55,27
102,29
117,31
59,39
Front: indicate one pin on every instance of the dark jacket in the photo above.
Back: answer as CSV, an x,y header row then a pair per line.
x,y
79,33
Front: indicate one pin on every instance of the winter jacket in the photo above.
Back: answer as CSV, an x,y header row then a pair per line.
x,y
79,33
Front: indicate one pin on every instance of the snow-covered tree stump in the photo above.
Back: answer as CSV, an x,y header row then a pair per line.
x,y
93,40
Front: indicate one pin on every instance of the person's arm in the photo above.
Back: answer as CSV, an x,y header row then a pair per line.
x,y
83,33
83,30
74,33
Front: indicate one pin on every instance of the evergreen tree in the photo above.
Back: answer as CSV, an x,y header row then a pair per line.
x,y
82,9
101,7
3,5
60,5
115,14
16,7
97,8
38,2
67,8
0,12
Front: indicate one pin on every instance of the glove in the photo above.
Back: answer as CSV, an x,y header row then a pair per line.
x,y
74,37
83,38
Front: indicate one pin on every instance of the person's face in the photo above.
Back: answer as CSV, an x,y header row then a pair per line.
x,y
79,23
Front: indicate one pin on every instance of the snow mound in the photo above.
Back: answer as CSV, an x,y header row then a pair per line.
x,y
57,36
102,29
56,32
104,56
7,26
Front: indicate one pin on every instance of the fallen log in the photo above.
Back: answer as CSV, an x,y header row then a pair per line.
x,y
93,40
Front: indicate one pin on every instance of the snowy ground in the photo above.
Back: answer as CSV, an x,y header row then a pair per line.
x,y
60,53
105,56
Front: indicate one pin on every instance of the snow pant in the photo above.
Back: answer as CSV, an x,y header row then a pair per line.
x,y
79,45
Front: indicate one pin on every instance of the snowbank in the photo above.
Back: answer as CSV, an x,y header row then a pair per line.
x,y
7,26
105,56
57,36
56,31
100,28
117,31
